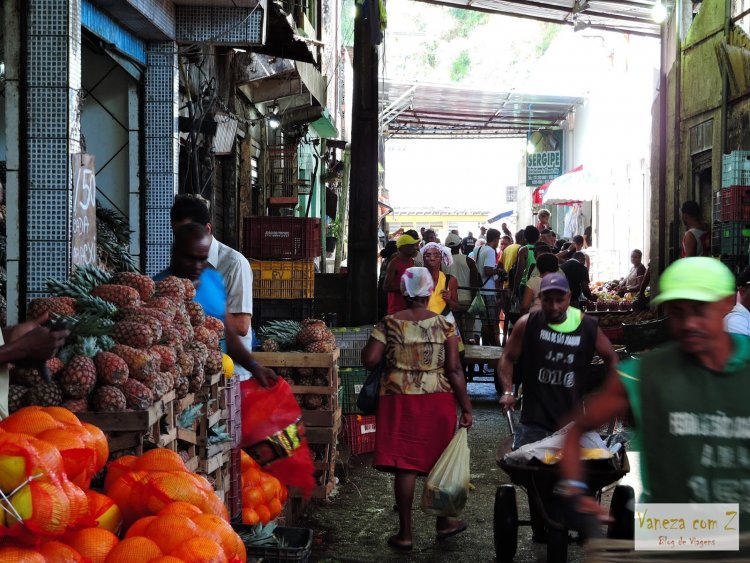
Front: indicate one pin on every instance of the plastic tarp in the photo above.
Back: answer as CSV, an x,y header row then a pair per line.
x,y
574,186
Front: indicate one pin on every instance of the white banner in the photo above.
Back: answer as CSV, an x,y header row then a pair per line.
x,y
687,527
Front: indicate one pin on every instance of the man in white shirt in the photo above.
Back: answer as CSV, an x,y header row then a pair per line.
x,y
738,319
486,259
233,266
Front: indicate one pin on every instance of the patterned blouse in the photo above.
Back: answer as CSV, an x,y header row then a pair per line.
x,y
415,354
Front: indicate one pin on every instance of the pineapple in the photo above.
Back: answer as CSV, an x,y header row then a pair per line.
x,y
185,362
207,337
54,366
111,368
143,284
313,330
189,289
169,378
269,345
181,315
45,395
78,378
171,337
181,386
51,305
137,395
166,305
167,356
321,346
214,362
197,380
214,324
140,363
133,334
120,295
196,313
16,397
164,317
108,398
76,405
26,376
313,402
158,384
172,287
185,331
200,349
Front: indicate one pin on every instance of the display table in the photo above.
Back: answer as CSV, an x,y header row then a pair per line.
x,y
482,355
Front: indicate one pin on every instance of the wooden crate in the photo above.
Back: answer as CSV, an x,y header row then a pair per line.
x,y
133,430
312,418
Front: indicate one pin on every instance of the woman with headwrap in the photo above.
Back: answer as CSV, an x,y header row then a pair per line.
x,y
444,298
421,384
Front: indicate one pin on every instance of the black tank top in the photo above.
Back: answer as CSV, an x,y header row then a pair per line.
x,y
555,368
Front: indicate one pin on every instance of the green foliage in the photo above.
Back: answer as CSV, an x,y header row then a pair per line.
x,y
430,55
461,66
549,31
467,21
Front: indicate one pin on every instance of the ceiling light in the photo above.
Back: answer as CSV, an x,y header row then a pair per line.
x,y
273,122
659,12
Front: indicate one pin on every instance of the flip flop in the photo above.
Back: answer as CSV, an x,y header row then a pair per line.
x,y
442,536
398,545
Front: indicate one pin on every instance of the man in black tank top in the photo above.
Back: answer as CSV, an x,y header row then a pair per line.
x,y
553,348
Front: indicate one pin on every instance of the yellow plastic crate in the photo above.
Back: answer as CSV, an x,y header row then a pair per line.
x,y
283,279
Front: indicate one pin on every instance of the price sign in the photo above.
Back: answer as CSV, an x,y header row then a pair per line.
x,y
84,210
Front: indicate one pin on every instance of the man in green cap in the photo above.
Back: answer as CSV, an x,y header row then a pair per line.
x,y
688,399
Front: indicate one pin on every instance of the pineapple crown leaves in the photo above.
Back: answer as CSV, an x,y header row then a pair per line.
x,y
115,223
219,434
88,324
96,306
86,346
283,332
260,535
188,416
80,283
66,353
106,343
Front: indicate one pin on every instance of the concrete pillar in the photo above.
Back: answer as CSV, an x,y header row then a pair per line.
x,y
162,151
50,132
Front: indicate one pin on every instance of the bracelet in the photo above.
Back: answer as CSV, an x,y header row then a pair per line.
x,y
507,393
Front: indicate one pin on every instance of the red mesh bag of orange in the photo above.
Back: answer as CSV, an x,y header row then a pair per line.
x,y
273,433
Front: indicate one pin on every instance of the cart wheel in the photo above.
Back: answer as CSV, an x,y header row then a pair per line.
x,y
506,523
621,509
557,539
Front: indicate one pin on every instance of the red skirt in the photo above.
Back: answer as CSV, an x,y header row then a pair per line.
x,y
413,430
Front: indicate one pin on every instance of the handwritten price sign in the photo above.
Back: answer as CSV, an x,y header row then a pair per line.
x,y
84,210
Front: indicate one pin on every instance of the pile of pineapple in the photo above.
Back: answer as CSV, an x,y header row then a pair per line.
x,y
311,335
133,341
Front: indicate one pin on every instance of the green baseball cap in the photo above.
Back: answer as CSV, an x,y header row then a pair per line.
x,y
696,279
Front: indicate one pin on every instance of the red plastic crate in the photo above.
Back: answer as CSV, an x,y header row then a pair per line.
x,y
282,238
735,203
359,433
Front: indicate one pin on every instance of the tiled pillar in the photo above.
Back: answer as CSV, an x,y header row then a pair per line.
x,y
162,151
53,130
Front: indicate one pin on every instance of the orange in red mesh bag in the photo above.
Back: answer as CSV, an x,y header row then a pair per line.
x,y
29,420
273,433
79,458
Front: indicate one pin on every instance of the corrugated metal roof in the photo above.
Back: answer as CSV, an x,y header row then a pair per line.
x,y
624,16
448,110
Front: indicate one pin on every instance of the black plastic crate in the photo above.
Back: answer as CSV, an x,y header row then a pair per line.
x,y
716,238
282,238
297,545
736,263
265,310
645,335
735,238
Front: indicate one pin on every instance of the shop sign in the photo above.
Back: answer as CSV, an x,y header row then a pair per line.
x,y
84,210
545,163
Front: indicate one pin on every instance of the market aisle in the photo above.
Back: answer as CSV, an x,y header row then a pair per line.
x,y
356,524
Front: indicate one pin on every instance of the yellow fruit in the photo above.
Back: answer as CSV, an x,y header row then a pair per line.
x,y
22,502
12,472
228,366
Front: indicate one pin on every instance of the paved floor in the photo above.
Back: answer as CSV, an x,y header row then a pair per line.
x,y
354,526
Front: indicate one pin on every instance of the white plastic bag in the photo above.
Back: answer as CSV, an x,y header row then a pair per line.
x,y
446,488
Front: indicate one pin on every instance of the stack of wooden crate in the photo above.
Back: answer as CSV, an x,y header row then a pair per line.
x,y
322,425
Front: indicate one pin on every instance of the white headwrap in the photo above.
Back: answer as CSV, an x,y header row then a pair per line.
x,y
417,282
447,255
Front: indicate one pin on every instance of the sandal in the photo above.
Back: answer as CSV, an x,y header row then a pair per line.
x,y
444,535
396,543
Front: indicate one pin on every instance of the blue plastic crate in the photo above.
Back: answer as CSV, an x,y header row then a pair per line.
x,y
735,169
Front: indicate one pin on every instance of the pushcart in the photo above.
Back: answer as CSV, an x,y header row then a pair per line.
x,y
538,480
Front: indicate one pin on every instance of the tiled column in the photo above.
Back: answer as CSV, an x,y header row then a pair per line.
x,y
53,128
162,151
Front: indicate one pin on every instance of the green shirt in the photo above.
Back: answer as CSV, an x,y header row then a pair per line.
x,y
692,426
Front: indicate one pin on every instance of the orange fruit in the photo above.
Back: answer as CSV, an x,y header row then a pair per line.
x,y
251,477
20,555
274,507
270,489
160,459
252,496
247,462
200,550
100,444
94,544
104,510
283,494
219,530
57,552
140,526
135,549
182,508
249,516
170,531
29,421
263,513
62,414
117,468
166,559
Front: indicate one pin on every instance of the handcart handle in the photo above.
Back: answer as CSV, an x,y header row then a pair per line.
x,y
511,426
